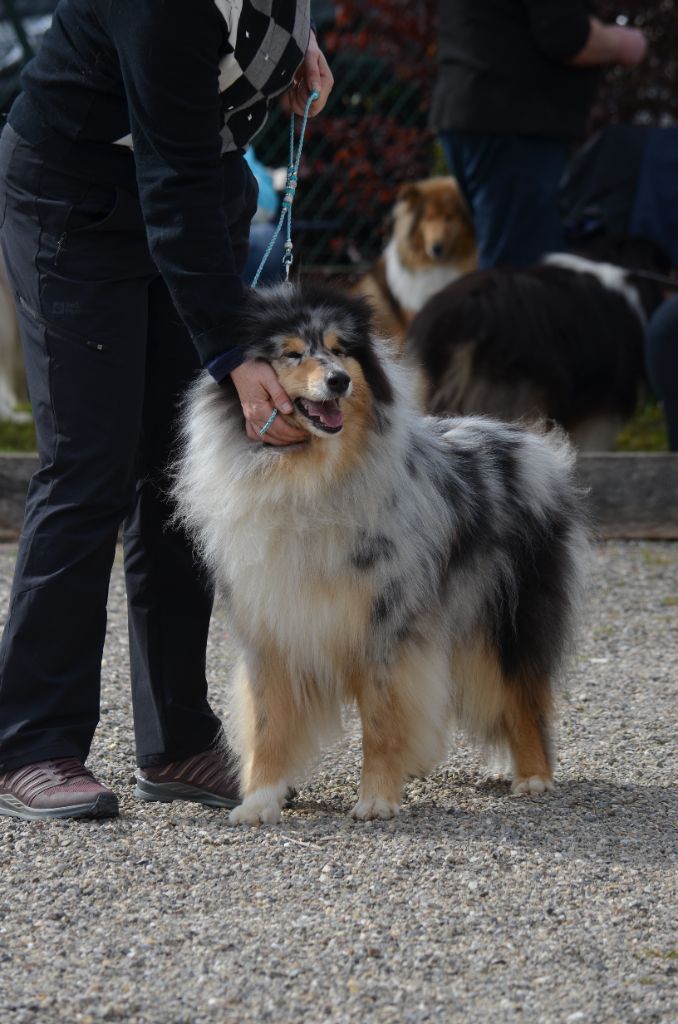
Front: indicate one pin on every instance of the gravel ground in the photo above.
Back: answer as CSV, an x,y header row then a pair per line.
x,y
472,906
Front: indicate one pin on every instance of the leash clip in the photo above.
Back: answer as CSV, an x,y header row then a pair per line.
x,y
288,259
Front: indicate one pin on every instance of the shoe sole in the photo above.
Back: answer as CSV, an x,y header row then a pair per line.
x,y
105,806
166,792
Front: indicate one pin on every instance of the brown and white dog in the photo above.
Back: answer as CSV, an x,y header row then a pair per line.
x,y
432,244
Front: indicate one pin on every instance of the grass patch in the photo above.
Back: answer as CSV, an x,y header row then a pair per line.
x,y
651,557
646,431
17,437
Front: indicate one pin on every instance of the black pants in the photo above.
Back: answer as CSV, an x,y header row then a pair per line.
x,y
107,358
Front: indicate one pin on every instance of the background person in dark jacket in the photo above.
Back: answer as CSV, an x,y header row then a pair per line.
x,y
125,204
515,84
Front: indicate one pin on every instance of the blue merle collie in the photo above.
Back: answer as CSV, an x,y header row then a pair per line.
x,y
428,570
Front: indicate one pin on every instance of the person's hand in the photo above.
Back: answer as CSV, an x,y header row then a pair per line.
x,y
632,47
314,75
259,391
611,44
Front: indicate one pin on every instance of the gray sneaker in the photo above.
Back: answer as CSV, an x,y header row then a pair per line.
x,y
207,778
59,788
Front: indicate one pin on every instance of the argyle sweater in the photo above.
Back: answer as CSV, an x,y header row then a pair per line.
x,y
150,94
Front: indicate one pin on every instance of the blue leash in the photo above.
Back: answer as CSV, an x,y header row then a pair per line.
x,y
288,198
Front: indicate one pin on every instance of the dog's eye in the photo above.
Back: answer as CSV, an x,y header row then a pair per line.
x,y
337,351
292,355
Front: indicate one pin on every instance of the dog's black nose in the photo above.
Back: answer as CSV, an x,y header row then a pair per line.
x,y
338,382
437,250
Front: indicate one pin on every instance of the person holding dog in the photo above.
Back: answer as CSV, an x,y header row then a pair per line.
x,y
125,203
514,88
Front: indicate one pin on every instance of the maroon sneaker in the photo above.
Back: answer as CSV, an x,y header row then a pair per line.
x,y
59,788
210,777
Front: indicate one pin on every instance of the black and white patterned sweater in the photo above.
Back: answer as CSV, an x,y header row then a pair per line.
x,y
153,95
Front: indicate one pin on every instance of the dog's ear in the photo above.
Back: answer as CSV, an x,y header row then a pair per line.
x,y
408,193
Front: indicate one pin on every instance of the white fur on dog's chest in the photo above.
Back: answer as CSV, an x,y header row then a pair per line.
x,y
295,588
414,289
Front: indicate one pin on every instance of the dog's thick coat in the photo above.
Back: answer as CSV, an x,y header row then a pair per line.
x,y
426,569
561,340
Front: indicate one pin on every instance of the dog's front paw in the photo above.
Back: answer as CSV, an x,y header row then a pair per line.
x,y
263,807
532,786
372,807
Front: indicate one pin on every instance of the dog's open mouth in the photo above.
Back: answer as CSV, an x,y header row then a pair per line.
x,y
326,416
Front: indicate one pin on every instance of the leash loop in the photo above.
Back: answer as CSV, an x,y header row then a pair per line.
x,y
288,197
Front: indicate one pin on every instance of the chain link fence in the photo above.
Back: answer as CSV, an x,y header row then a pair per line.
x,y
371,137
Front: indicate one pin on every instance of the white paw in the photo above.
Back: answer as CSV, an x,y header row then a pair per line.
x,y
263,806
374,807
531,787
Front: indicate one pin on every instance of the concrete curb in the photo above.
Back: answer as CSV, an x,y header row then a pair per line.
x,y
633,495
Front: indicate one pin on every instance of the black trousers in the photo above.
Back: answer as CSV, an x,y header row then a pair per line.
x,y
107,358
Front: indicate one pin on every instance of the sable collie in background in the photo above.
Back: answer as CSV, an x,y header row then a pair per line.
x,y
428,570
561,340
432,243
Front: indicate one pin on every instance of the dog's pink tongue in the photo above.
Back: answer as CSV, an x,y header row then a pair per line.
x,y
328,412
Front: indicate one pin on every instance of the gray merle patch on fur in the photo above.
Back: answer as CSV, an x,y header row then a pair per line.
x,y
417,456
372,548
388,601
381,419
505,455
420,458
464,490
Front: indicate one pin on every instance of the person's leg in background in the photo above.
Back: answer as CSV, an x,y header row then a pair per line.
x,y
511,186
661,359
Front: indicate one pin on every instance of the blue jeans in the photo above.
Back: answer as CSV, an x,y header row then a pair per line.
x,y
511,186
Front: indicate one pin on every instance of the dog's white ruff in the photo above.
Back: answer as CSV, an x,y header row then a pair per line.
x,y
414,288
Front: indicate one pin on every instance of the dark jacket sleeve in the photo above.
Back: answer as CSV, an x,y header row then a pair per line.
x,y
169,59
560,28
